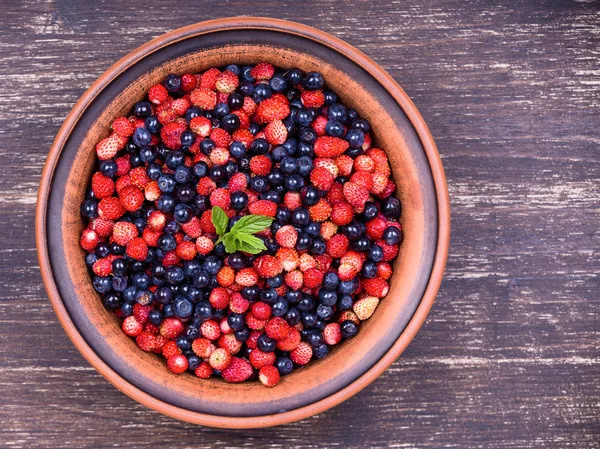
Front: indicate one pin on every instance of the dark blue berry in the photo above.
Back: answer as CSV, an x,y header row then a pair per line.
x,y
144,297
203,310
173,82
376,253
313,81
345,302
327,297
300,216
89,209
284,365
294,76
355,138
288,165
142,137
237,149
391,208
392,235
259,184
280,308
278,83
275,281
111,301
192,112
108,168
331,281
230,123
349,329
369,269
182,308
236,321
235,101
321,351
266,344
314,338
318,247
242,334
142,109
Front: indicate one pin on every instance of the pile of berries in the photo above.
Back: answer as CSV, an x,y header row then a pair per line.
x,y
250,141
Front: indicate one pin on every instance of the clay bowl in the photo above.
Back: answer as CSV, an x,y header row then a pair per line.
x,y
397,127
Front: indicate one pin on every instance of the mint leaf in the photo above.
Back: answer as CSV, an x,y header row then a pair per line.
x,y
249,243
251,224
230,243
220,220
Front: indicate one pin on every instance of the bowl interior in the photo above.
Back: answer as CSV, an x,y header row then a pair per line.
x,y
392,131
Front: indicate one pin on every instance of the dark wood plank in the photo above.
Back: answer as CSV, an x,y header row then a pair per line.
x,y
509,356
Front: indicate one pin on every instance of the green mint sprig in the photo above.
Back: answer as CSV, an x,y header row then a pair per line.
x,y
240,237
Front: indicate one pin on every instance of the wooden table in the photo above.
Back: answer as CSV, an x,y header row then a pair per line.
x,y
509,356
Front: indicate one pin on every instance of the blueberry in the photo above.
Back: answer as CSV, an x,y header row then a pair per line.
x,y
391,208
119,267
242,334
283,215
293,297
89,209
237,149
268,295
330,97
355,138
314,338
284,365
337,111
187,138
129,294
309,195
345,302
111,301
362,244
186,193
307,135
334,128
136,161
318,247
236,321
142,137
376,253
275,281
230,123
305,165
182,342
259,146
306,303
203,310
192,112
266,344
275,177
90,259
191,267
331,281
304,117
201,203
280,308
174,275
192,332
246,88
119,283
182,308
262,91
288,165
321,351
278,83
292,316
102,250
392,235
235,101
237,261
234,68
259,184
349,329
250,293
308,319
294,76
193,362
206,146
172,82
271,195
304,242
348,287
182,174
174,159
327,297
216,173
278,153
352,231
108,168
361,124
126,309
305,149
254,128
239,200
147,155
369,269
313,81
144,297
371,210
166,183
167,242
142,109
300,216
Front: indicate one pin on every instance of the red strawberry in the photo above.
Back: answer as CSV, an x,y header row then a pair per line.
x,y
220,137
177,364
258,359
249,106
321,178
171,135
274,108
239,370
237,182
262,71
203,98
201,126
171,327
312,278
319,125
206,222
363,178
186,250
260,165
348,315
210,330
102,267
355,194
219,297
364,162
205,186
202,347
146,341
320,211
170,259
380,160
141,313
380,183
226,276
131,198
226,82
332,334
347,271
342,213
329,164
337,245
102,185
89,239
263,207
122,126
204,371
328,230
384,270
268,266
254,323
294,279
108,147
312,98
170,349
306,262
230,343
261,310
323,263
219,156
179,106
292,200
275,132
188,82
246,277
327,146
151,191
166,116
302,354
139,177
220,197
102,227
110,208
344,164
237,303
336,193
209,79
220,359
375,228
289,258
204,245
291,341
376,287
269,376
151,237
123,165
389,251
287,236
365,307
158,94
157,220
137,249
122,182
277,328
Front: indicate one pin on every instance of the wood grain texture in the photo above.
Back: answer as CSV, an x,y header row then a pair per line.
x,y
509,356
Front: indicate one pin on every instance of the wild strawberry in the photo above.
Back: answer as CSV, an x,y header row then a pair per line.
x,y
238,370
151,237
390,188
171,327
170,259
289,258
389,251
177,364
260,165
348,315
327,146
170,349
319,125
337,245
367,142
122,182
323,263
269,376
355,194
258,359
219,359
275,132
332,334
287,236
237,183
252,341
110,208
156,220
141,313
384,270
220,137
262,71
302,354
274,108
328,230
188,82
108,147
171,135
137,249
220,197
151,191
344,164
219,156
186,250
158,94
294,279
375,228
138,177
261,310
376,287
203,347
89,239
146,341
380,160
292,200
329,164
166,116
365,307
122,126
225,276
320,211
254,323
246,277
277,328
263,207
205,186
206,223
210,330
312,98
204,245
131,198
363,178
342,213
123,165
237,303
321,178
291,341
102,267
336,193
201,126
102,227
364,162
226,82
102,185
268,266
249,106
380,183
203,98
209,78
204,371
244,125
347,271
230,343
312,278
219,297
306,262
